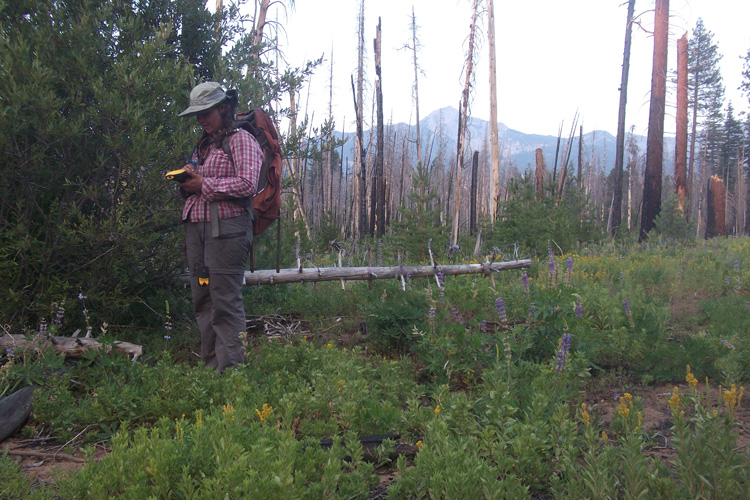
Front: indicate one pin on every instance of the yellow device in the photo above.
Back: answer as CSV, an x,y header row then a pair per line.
x,y
177,175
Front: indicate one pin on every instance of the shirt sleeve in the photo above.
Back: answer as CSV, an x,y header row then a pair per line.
x,y
242,182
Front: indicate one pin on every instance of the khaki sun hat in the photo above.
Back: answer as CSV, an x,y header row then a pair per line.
x,y
204,96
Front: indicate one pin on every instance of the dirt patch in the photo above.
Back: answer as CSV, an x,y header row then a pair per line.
x,y
46,460
657,416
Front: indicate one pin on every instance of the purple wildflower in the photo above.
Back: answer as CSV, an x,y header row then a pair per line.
x,y
59,315
579,310
167,337
726,279
81,296
457,315
441,278
9,352
562,352
569,264
43,328
431,313
737,266
525,280
483,326
500,307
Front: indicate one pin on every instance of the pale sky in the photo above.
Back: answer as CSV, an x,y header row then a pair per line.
x,y
553,57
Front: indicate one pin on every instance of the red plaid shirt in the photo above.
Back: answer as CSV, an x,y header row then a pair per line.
x,y
224,179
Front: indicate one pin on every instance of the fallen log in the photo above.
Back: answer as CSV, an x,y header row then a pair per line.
x,y
14,411
71,347
302,274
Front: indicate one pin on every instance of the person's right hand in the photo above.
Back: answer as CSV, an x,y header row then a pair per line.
x,y
194,183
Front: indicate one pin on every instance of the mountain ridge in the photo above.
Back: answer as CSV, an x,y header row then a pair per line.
x,y
519,146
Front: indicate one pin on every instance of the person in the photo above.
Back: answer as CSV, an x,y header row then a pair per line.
x,y
218,226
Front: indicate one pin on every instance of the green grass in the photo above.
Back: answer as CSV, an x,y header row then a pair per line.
x,y
495,404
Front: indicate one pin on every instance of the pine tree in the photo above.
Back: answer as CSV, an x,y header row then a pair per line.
x,y
705,98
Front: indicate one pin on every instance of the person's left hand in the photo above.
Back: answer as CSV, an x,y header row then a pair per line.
x,y
194,183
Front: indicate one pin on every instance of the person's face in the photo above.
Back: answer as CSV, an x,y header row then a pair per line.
x,y
210,120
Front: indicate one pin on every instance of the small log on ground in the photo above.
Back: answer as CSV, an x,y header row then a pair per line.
x,y
14,411
296,275
370,446
69,346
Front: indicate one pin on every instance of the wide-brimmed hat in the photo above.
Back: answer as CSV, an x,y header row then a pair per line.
x,y
204,96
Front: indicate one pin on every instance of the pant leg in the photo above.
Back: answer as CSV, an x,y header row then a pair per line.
x,y
226,258
195,235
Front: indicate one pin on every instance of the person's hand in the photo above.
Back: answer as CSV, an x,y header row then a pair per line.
x,y
194,183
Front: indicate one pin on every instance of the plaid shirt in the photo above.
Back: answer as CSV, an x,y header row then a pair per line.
x,y
224,179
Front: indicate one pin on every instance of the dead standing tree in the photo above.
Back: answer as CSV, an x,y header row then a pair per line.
x,y
360,160
494,142
715,215
620,146
378,184
655,141
463,119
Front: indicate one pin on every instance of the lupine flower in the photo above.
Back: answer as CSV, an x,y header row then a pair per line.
x,y
562,352
628,312
579,310
568,269
167,337
81,296
59,315
500,307
43,328
532,308
525,280
483,325
457,315
431,313
9,352
737,265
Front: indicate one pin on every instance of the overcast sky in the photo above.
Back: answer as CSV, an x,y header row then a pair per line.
x,y
553,57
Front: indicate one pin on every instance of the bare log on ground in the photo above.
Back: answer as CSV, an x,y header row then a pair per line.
x,y
271,277
69,346
14,410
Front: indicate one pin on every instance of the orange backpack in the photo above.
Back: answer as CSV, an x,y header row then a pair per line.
x,y
267,198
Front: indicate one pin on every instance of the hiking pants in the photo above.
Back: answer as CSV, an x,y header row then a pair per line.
x,y
218,307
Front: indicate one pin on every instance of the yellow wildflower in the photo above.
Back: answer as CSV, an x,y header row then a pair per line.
x,y
437,409
420,444
690,378
733,398
604,436
585,417
674,401
622,408
640,420
329,345
199,419
264,412
227,411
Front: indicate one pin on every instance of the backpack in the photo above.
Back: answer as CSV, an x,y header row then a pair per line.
x,y
267,198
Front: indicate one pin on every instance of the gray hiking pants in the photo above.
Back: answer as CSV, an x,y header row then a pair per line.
x,y
218,307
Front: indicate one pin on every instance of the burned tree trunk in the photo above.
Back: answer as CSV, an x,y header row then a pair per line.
x,y
655,140
620,146
494,142
539,174
715,216
359,151
680,153
473,207
378,181
462,128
